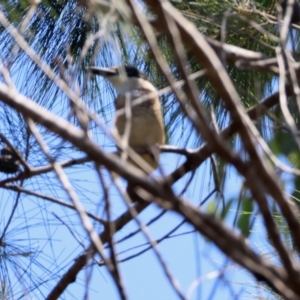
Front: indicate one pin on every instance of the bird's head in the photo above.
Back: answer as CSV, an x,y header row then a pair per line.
x,y
124,78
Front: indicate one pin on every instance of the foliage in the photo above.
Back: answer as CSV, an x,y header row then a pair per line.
x,y
230,161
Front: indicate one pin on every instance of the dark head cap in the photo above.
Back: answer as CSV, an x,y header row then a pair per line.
x,y
130,71
134,72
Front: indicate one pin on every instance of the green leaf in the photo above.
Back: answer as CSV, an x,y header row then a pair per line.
x,y
225,211
245,216
282,143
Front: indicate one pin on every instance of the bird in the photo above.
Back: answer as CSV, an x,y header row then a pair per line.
x,y
147,125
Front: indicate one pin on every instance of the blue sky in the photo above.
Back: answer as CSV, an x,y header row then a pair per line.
x,y
50,240
189,257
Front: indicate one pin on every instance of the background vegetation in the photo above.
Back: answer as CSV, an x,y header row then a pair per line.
x,y
227,74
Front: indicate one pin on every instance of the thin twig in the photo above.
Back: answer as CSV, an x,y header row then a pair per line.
x,y
87,225
51,199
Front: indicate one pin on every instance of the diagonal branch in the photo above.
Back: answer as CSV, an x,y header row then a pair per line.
x,y
223,85
232,244
72,134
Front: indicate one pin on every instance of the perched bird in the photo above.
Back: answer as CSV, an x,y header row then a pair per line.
x,y
146,127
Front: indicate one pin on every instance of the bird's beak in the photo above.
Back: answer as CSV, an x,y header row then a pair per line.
x,y
105,72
